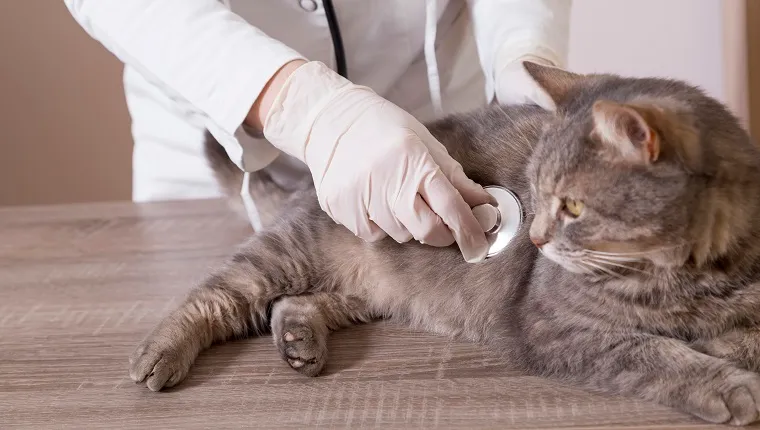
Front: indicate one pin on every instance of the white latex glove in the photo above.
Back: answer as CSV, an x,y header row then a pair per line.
x,y
376,169
515,86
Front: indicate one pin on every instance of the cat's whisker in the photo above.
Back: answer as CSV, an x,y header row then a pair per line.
x,y
628,254
614,261
622,266
603,269
586,269
616,258
623,254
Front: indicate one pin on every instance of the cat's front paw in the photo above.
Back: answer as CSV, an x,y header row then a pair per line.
x,y
732,397
160,362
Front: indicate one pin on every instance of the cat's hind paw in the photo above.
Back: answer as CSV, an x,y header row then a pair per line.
x,y
303,348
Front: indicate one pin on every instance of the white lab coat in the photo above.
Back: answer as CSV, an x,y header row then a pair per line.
x,y
193,65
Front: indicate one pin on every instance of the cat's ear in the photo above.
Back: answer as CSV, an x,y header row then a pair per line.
x,y
628,129
555,82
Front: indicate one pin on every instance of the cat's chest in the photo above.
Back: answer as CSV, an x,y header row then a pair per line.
x,y
679,308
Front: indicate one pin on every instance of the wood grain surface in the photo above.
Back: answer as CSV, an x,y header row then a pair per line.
x,y
81,285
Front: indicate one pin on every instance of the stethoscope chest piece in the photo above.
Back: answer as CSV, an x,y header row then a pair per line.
x,y
501,222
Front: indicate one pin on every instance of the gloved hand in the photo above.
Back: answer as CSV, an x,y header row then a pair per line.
x,y
515,86
376,169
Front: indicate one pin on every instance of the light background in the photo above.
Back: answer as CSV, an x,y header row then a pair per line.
x,y
64,128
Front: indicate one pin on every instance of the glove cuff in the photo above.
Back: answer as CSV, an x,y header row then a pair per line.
x,y
302,97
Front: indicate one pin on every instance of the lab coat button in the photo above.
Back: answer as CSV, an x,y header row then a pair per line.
x,y
308,5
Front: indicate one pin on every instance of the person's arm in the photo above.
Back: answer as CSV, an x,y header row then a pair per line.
x,y
195,50
263,103
510,31
356,144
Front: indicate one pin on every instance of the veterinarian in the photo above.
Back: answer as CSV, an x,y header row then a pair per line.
x,y
302,87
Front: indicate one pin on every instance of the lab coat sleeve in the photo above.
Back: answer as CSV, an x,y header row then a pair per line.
x,y
197,51
506,30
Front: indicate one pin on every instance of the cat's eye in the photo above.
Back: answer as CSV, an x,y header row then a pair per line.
x,y
573,207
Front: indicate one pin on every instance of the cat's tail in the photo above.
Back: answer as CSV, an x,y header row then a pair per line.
x,y
270,198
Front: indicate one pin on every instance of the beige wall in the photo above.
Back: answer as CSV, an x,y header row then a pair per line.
x,y
678,38
64,128
64,132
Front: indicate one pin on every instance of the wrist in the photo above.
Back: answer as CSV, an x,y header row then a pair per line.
x,y
299,106
263,103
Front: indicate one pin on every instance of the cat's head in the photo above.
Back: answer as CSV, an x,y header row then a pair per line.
x,y
636,171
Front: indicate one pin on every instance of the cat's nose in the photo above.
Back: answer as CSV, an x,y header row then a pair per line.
x,y
539,241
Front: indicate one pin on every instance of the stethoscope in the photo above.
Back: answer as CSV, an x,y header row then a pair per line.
x,y
337,40
500,222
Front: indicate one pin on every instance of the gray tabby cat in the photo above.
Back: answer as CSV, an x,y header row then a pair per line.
x,y
643,278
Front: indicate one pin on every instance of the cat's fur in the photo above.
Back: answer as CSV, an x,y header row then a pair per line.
x,y
654,291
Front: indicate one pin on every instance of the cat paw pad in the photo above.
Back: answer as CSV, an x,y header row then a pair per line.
x,y
302,348
295,363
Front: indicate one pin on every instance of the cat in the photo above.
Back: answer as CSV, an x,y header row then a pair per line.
x,y
636,271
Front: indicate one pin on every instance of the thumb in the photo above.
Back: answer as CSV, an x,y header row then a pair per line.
x,y
447,203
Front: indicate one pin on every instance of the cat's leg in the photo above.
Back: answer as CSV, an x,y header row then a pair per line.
x,y
211,313
657,368
741,347
301,325
231,303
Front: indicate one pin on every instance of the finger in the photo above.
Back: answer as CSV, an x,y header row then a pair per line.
x,y
358,222
423,224
471,192
375,233
380,213
393,228
446,202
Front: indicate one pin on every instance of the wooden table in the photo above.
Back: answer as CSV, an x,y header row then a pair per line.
x,y
80,285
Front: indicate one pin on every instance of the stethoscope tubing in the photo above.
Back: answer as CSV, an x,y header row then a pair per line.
x,y
337,39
